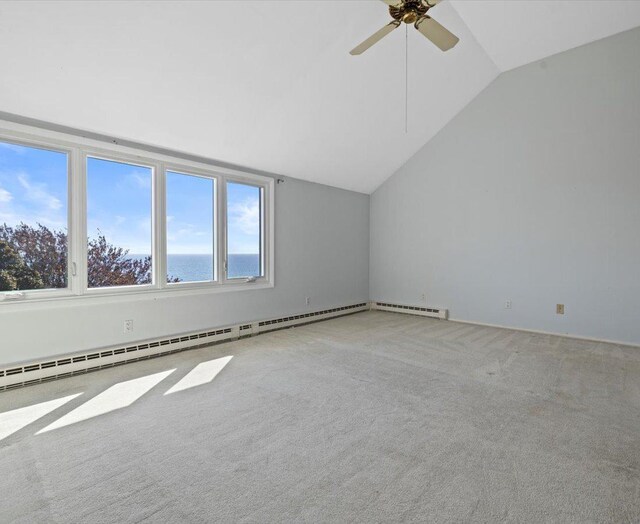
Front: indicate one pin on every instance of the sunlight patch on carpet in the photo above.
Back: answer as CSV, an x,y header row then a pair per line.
x,y
116,397
15,420
203,373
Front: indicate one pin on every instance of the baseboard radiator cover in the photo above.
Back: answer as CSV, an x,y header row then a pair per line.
x,y
35,372
440,313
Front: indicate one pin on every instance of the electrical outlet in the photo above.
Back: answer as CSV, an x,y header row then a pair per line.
x,y
423,297
560,309
128,326
507,304
307,300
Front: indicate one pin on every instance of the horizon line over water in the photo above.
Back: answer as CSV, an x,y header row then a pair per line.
x,y
199,267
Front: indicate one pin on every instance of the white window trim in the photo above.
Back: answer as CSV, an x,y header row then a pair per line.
x,y
191,171
223,244
78,149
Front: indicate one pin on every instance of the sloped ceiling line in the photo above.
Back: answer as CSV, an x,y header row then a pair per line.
x,y
270,85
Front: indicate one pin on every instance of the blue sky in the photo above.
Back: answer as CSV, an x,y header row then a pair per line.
x,y
119,204
243,222
189,214
33,188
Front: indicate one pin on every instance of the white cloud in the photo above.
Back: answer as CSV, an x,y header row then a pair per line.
x,y
13,218
5,196
180,230
49,210
38,193
143,182
246,216
144,224
188,238
8,218
184,232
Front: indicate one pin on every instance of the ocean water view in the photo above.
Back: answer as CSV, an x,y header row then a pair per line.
x,y
190,268
197,268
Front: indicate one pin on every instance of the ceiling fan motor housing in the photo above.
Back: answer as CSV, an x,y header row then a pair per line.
x,y
412,12
408,11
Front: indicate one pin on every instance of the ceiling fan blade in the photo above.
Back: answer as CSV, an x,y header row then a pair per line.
x,y
375,37
438,34
394,3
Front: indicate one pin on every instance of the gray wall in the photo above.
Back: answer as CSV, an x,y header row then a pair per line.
x,y
322,251
531,194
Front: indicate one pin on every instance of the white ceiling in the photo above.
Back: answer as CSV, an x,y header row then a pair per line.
x,y
517,32
270,85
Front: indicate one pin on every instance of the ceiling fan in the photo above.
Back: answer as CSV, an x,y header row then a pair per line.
x,y
412,12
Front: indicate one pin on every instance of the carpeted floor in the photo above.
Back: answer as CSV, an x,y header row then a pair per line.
x,y
375,417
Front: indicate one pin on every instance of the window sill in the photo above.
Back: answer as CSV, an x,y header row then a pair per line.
x,y
52,299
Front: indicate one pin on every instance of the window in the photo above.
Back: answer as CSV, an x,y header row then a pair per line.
x,y
33,218
190,228
244,231
119,224
82,218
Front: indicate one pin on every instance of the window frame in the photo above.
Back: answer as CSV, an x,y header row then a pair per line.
x,y
225,232
78,150
34,143
86,155
208,174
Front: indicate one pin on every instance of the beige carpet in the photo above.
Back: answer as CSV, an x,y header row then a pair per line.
x,y
375,417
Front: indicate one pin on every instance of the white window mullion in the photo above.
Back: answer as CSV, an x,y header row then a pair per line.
x,y
217,268
263,236
159,260
78,223
269,230
222,230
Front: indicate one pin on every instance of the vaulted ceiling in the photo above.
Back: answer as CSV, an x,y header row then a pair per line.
x,y
270,85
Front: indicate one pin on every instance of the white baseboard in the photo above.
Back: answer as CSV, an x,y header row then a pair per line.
x,y
34,372
540,332
422,311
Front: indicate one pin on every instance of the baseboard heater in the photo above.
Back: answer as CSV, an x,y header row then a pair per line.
x,y
412,310
76,364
